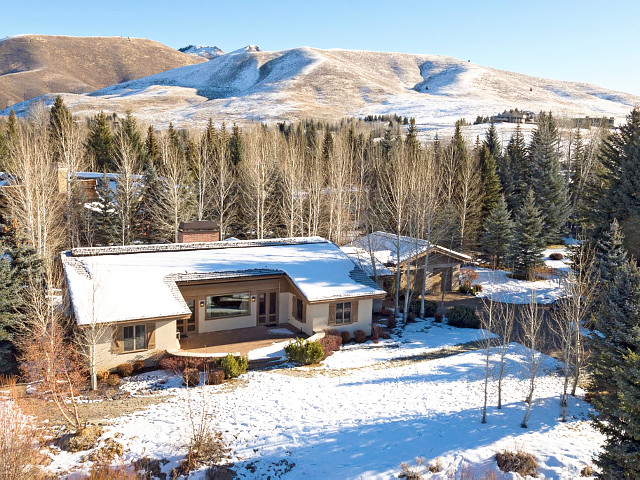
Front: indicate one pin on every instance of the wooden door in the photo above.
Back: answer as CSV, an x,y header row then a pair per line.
x,y
268,308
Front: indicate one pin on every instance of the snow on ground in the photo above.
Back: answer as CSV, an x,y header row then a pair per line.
x,y
360,415
502,288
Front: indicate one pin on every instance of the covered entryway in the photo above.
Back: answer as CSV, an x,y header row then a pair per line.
x,y
268,308
188,326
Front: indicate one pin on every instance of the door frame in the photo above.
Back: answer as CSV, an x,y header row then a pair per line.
x,y
196,317
266,306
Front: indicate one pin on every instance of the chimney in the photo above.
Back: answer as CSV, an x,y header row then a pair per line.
x,y
198,231
63,172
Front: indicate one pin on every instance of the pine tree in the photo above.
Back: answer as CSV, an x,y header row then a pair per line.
x,y
546,180
411,140
151,147
10,300
611,254
492,142
525,251
498,232
129,128
327,146
619,198
100,142
153,207
490,181
615,373
576,169
513,170
235,146
60,120
106,217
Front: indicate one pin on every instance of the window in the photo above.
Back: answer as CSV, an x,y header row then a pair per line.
x,y
298,309
343,313
229,305
134,338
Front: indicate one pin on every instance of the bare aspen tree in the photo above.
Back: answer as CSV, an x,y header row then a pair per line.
x,y
128,188
580,292
35,202
291,172
396,194
314,178
200,161
222,184
340,190
92,334
488,320
468,190
180,204
531,339
503,327
258,177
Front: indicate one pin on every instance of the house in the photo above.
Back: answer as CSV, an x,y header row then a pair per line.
x,y
363,259
147,298
443,268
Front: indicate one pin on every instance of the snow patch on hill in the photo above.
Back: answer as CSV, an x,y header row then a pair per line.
x,y
202,51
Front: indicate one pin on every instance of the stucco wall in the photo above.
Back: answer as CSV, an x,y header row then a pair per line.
x,y
165,339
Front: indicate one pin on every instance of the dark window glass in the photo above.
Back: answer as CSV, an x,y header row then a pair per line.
x,y
229,305
128,339
134,337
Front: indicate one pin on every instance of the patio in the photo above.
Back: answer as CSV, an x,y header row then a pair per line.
x,y
237,341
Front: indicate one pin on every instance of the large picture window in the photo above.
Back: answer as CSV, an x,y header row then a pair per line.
x,y
229,305
343,313
134,338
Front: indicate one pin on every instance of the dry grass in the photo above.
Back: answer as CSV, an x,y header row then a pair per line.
x,y
414,472
520,462
19,444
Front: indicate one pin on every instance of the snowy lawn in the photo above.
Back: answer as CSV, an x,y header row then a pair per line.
x,y
366,410
497,283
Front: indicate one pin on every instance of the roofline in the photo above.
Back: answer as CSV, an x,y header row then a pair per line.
x,y
180,247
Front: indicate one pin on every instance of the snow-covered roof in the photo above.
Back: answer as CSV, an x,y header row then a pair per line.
x,y
113,284
385,247
361,258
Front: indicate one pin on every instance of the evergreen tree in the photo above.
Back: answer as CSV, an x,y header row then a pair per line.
x,y
547,182
513,170
327,146
10,300
576,167
106,217
492,142
60,120
498,232
387,143
611,254
153,207
235,146
615,373
411,141
151,147
620,181
490,181
129,128
525,251
100,142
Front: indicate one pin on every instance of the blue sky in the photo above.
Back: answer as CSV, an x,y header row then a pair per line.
x,y
592,41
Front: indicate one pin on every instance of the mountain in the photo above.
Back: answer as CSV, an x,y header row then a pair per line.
x,y
33,65
254,85
202,51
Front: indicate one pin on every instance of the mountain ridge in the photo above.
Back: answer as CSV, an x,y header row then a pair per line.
x,y
254,85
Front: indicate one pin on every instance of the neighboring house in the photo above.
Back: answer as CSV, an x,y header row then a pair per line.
x,y
148,296
443,269
363,259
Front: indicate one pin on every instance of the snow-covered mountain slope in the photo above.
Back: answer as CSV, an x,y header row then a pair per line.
x,y
254,85
202,51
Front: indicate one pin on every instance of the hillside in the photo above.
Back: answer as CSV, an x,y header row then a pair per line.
x,y
254,85
32,65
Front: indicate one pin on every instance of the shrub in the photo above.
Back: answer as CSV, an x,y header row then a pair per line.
x,y
171,364
190,377
587,471
468,275
215,376
332,332
103,375
437,317
413,472
19,443
556,256
113,379
430,307
139,365
360,336
234,367
304,352
385,312
520,462
465,288
330,344
124,369
392,322
346,337
463,317
411,317
377,332
476,288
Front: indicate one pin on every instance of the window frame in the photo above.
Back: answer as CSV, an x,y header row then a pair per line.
x,y
134,331
298,309
341,309
232,315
